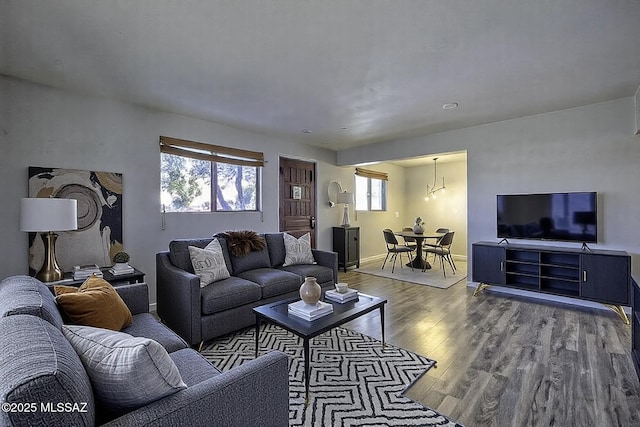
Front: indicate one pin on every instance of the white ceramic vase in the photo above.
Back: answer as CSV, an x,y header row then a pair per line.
x,y
310,291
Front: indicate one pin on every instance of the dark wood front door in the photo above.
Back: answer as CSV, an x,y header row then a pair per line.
x,y
298,198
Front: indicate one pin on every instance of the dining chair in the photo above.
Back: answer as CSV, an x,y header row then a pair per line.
x,y
394,248
443,250
409,241
437,242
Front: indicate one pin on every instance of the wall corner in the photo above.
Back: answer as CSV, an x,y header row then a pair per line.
x,y
636,104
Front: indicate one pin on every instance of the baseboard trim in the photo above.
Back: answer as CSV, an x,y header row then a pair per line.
x,y
372,258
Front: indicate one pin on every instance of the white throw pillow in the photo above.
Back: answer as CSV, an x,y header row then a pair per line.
x,y
126,372
298,251
208,263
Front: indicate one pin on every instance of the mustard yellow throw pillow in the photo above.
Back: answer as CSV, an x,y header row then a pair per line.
x,y
95,303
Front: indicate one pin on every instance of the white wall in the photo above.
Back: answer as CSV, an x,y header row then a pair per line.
x,y
40,126
449,209
372,223
590,148
405,196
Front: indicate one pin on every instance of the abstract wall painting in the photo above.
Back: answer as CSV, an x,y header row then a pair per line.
x,y
99,233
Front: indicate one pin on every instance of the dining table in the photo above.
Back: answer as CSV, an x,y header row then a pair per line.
x,y
419,261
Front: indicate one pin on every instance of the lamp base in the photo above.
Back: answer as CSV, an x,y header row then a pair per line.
x,y
345,216
50,271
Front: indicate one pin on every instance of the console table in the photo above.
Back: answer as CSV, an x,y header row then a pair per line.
x,y
135,277
598,275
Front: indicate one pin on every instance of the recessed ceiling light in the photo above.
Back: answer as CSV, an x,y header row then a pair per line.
x,y
344,128
306,130
450,106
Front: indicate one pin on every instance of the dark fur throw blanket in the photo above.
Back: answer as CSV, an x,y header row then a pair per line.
x,y
240,243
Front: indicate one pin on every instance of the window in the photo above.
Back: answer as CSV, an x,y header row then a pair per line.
x,y
197,177
371,190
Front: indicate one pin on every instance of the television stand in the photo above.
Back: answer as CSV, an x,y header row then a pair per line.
x,y
602,276
635,327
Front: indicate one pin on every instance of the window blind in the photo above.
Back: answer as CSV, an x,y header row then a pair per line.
x,y
366,173
210,152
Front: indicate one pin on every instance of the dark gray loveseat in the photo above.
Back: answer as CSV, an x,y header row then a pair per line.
x,y
199,314
38,366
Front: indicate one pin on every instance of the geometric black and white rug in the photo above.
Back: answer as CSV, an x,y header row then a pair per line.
x,y
354,381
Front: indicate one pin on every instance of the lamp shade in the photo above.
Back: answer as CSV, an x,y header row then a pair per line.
x,y
48,214
345,198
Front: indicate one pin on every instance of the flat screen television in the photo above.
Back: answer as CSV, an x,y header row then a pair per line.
x,y
568,217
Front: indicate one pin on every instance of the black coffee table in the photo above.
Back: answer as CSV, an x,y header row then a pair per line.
x,y
277,313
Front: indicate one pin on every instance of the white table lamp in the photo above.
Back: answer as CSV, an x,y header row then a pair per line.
x,y
346,199
45,216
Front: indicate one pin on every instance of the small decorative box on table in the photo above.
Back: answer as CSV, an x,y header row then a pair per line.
x,y
335,296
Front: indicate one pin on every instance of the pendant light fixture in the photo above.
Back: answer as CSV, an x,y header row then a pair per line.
x,y
432,190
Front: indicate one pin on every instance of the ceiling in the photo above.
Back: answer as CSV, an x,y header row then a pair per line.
x,y
351,72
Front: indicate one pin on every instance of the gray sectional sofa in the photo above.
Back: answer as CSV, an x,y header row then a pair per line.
x,y
199,314
40,370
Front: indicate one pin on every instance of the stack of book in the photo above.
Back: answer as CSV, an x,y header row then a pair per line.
x,y
310,311
121,268
81,272
336,296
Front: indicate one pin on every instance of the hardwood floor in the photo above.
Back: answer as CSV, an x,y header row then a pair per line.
x,y
506,360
